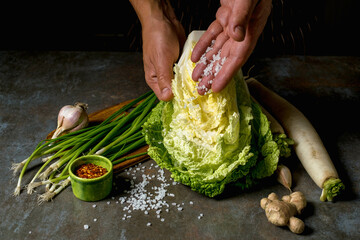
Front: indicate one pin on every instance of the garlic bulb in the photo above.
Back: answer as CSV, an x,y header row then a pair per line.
x,y
71,118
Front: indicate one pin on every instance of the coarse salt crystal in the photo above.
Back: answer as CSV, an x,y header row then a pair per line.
x,y
148,224
86,226
94,205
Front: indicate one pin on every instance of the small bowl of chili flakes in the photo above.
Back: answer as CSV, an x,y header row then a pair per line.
x,y
91,177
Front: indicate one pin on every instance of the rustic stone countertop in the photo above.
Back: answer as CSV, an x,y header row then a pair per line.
x,y
35,85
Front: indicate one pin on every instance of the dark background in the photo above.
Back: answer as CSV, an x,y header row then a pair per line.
x,y
303,27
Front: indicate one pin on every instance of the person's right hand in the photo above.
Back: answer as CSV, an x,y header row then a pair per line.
x,y
162,41
235,32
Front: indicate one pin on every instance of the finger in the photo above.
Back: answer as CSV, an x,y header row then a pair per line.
x,y
209,56
205,84
239,19
261,13
164,76
226,73
238,52
219,42
151,80
222,14
205,40
199,70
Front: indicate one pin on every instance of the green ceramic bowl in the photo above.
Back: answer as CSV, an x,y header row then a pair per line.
x,y
93,189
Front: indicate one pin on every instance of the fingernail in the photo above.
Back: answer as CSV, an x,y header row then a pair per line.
x,y
166,94
165,91
239,32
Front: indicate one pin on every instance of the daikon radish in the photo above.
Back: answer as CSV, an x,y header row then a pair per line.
x,y
308,146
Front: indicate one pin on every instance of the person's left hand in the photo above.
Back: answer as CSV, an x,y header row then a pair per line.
x,y
235,31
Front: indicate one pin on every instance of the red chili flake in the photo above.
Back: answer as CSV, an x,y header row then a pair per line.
x,y
90,170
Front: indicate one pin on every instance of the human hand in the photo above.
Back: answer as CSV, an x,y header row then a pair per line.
x,y
162,41
228,42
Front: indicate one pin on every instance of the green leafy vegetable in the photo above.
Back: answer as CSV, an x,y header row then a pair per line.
x,y
209,141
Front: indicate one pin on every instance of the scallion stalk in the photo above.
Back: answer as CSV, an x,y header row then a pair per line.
x,y
128,158
139,143
135,126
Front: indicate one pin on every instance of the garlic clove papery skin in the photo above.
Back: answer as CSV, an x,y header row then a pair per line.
x,y
71,118
284,176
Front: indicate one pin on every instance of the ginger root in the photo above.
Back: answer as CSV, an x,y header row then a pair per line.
x,y
281,212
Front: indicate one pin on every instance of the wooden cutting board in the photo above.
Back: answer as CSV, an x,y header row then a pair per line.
x,y
101,115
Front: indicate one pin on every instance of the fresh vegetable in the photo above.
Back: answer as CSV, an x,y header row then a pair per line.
x,y
308,145
283,176
281,212
71,118
278,132
275,126
117,135
207,141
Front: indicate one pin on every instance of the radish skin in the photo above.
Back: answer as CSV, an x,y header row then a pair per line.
x,y
308,146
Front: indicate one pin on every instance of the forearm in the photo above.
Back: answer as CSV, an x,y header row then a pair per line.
x,y
153,9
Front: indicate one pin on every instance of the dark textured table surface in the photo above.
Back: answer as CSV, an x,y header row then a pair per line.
x,y
34,85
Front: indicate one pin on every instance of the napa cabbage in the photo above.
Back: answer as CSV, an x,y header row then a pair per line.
x,y
207,141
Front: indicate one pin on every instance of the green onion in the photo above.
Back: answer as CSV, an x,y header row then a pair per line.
x,y
129,157
116,136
